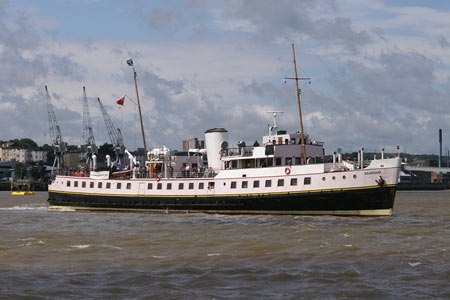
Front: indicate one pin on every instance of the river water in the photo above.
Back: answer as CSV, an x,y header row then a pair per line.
x,y
73,255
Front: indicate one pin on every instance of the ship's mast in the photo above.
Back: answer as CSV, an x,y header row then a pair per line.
x,y
299,91
130,63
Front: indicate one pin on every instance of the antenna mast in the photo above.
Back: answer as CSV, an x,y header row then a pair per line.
x,y
274,128
130,63
299,91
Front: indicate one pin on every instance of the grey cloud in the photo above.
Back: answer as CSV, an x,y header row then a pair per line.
x,y
442,41
397,102
65,67
23,67
161,19
290,19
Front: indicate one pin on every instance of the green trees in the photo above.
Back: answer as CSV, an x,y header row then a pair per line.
x,y
20,171
26,143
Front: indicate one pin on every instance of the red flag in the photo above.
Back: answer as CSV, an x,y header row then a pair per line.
x,y
121,101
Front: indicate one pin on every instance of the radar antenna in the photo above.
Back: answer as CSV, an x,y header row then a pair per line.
x,y
114,133
273,129
59,146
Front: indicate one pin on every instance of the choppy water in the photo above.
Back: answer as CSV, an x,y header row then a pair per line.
x,y
72,255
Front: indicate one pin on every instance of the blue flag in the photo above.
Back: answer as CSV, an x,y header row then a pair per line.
x,y
130,62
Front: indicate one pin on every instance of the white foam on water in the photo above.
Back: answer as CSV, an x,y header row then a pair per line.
x,y
24,207
348,245
62,209
158,256
26,239
113,247
80,246
345,234
213,254
41,242
414,264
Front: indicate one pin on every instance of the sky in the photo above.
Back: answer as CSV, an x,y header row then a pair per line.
x,y
380,70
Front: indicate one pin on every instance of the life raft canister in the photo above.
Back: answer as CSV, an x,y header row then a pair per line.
x,y
158,178
287,171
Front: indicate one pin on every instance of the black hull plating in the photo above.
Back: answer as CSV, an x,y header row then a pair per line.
x,y
345,202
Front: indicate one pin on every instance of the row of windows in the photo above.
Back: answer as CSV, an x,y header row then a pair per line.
x,y
268,183
190,185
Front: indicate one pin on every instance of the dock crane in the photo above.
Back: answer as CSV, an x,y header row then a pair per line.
x,y
58,144
89,148
115,135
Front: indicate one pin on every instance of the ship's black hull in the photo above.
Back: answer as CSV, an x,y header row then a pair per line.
x,y
372,201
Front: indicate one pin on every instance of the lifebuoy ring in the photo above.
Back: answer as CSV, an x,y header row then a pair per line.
x,y
158,178
287,171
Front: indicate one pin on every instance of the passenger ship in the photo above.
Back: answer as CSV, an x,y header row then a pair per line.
x,y
285,175
267,179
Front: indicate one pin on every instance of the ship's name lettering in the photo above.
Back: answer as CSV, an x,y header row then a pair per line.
x,y
372,172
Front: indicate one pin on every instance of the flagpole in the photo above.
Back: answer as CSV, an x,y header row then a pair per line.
x,y
139,107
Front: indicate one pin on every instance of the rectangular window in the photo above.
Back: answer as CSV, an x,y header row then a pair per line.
x,y
149,186
119,186
128,185
268,183
210,185
293,181
181,186
108,185
244,184
297,160
191,185
234,164
99,185
68,183
75,183
169,186
233,184
201,185
278,161
83,184
91,185
307,180
256,184
288,161
280,182
159,186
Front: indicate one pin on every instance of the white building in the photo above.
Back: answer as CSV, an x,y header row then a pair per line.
x,y
11,152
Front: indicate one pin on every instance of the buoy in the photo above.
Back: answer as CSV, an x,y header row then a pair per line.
x,y
22,193
287,171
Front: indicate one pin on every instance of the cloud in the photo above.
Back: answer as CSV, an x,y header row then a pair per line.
x,y
25,63
291,21
378,78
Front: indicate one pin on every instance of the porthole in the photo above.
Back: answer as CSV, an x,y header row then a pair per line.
x,y
354,176
334,177
344,177
323,178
